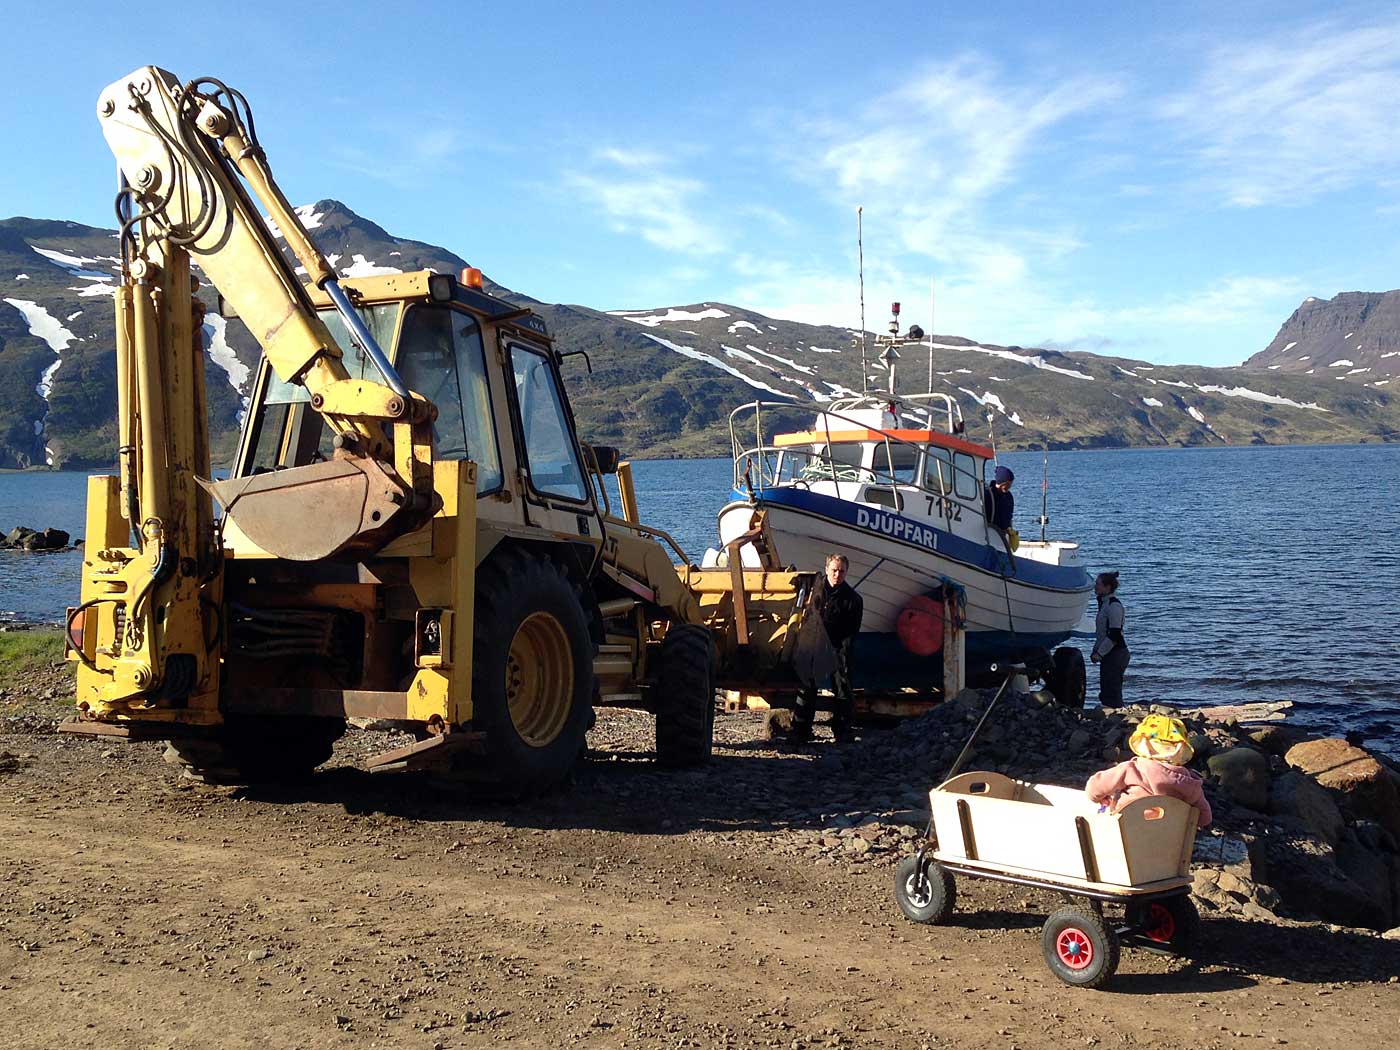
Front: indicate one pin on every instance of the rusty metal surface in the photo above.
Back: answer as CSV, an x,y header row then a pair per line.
x,y
326,703
425,754
316,511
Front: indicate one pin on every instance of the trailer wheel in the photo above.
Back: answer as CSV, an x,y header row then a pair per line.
x,y
924,896
1067,679
532,672
257,749
1170,924
1079,947
685,697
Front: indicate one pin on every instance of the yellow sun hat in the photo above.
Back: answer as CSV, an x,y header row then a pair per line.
x,y
1162,738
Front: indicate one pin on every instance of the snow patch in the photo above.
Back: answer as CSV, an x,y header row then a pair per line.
x,y
87,291
1357,371
1127,371
1256,395
691,352
742,355
734,328
76,265
1195,413
1348,335
822,350
75,313
1343,363
1289,347
362,267
787,361
651,320
222,354
1272,367
1393,353
43,325
1152,402
990,400
21,277
1035,362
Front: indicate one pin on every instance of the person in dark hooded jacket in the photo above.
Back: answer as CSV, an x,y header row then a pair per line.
x,y
841,611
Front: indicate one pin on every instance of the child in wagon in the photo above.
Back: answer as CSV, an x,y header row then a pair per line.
x,y
1159,742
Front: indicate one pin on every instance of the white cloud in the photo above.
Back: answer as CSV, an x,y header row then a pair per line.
x,y
640,196
1282,120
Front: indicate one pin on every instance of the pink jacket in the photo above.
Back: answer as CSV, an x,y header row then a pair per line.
x,y
1142,777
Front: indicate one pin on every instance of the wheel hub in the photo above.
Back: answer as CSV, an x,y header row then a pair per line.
x,y
1074,949
539,679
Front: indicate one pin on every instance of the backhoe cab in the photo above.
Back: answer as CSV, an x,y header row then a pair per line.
x,y
412,530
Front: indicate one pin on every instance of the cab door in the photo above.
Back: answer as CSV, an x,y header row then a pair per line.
x,y
556,487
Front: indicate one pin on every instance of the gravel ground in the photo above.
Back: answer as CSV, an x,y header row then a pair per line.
x,y
747,904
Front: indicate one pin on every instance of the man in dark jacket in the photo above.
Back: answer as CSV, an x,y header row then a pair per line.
x,y
840,609
999,506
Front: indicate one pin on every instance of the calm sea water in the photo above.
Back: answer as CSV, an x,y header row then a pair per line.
x,y
1258,573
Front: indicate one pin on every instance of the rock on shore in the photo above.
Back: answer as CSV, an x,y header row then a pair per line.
x,y
23,538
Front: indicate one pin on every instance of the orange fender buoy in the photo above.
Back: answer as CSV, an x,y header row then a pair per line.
x,y
919,625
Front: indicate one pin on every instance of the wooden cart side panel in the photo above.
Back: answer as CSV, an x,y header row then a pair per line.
x,y
1007,832
1153,832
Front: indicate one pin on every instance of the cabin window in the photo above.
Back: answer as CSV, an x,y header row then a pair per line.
x,y
938,470
549,444
967,476
844,460
897,461
440,357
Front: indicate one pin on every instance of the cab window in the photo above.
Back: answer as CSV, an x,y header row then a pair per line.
x,y
938,470
967,476
897,461
441,357
549,447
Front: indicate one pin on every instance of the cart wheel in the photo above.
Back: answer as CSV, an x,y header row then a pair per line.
x,y
1170,923
1079,947
924,896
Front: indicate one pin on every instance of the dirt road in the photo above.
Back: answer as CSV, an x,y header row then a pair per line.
x,y
728,907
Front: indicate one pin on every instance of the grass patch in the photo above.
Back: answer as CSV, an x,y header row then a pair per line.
x,y
25,654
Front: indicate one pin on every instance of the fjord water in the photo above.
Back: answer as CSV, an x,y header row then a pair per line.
x,y
1252,573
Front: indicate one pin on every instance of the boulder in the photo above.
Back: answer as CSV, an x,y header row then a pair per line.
x,y
1243,772
1277,738
1372,872
1361,783
1294,794
23,538
1305,872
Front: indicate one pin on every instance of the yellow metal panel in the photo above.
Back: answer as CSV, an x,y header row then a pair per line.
x,y
430,694
105,525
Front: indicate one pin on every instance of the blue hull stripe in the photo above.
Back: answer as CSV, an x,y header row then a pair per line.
x,y
921,536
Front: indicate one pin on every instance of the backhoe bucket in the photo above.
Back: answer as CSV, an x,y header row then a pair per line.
x,y
317,511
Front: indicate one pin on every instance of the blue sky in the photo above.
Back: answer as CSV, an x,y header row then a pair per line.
x,y
1162,181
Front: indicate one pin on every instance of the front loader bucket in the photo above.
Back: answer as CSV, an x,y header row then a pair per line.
x,y
345,505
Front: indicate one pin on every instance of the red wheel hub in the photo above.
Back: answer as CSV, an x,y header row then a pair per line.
x,y
1161,924
1074,948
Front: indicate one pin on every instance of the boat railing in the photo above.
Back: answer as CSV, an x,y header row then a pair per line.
x,y
756,465
922,404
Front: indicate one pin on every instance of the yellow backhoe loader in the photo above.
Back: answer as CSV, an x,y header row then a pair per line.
x,y
411,531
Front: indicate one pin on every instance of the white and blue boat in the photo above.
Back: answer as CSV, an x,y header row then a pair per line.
x,y
892,482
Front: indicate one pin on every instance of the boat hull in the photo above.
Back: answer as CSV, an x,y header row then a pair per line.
x,y
893,558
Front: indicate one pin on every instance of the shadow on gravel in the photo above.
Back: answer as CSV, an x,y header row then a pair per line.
x,y
621,791
1305,954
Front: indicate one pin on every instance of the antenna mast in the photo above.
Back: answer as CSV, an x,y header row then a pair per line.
x,y
1044,493
930,336
860,265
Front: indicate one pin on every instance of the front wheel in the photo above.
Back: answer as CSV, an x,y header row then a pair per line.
x,y
926,895
532,671
1079,947
257,749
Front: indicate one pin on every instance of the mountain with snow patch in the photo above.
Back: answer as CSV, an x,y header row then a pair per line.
x,y
1354,336
662,381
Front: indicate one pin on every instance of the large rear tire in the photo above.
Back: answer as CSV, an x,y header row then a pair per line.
x,y
1068,679
685,697
532,671
257,749
1079,947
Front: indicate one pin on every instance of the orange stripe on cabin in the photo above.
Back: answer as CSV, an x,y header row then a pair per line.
x,y
913,437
